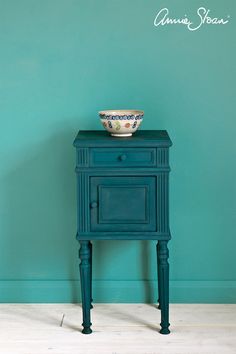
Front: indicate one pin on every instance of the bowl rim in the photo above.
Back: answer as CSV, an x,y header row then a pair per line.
x,y
121,112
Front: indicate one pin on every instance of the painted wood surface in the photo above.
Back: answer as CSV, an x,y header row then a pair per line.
x,y
117,329
124,205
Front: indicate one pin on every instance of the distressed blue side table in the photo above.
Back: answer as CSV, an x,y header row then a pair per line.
x,y
122,194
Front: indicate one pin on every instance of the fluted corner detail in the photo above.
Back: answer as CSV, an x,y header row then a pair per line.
x,y
162,157
163,203
82,157
82,200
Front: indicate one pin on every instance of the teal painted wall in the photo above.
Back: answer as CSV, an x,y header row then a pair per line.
x,y
62,61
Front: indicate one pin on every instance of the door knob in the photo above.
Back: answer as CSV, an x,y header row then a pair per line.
x,y
94,205
123,157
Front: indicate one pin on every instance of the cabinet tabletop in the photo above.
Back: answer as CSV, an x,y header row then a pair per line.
x,y
141,137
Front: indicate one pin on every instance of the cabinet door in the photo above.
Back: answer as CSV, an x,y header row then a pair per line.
x,y
123,203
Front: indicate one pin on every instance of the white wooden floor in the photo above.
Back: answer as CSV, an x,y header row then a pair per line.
x,y
117,329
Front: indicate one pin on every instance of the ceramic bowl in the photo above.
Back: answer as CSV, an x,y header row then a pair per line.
x,y
121,123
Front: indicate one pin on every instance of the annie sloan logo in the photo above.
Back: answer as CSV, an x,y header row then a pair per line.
x,y
203,18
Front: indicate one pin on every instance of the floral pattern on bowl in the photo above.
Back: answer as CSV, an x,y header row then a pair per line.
x,y
121,123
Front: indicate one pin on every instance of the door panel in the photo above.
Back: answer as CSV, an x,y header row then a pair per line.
x,y
123,203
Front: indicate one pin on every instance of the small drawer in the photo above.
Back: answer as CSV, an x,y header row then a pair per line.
x,y
118,157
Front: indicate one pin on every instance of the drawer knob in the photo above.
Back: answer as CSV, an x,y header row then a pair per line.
x,y
122,157
94,205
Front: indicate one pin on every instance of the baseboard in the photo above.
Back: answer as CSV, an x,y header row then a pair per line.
x,y
67,291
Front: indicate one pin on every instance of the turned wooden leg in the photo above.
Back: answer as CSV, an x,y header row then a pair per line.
x,y
85,275
158,277
163,255
91,271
